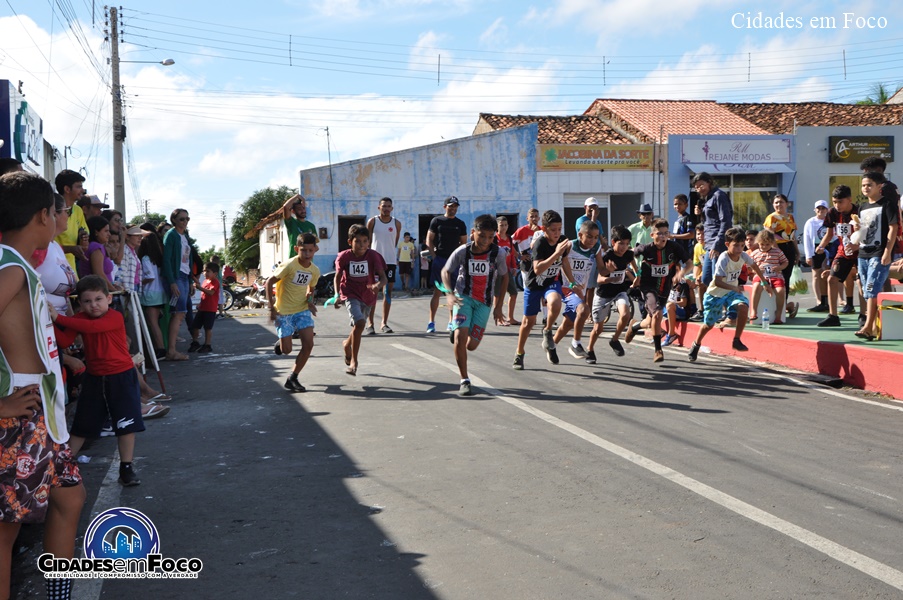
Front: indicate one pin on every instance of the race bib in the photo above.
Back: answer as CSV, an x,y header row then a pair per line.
x,y
733,277
580,264
616,277
768,271
478,268
844,230
359,269
553,272
674,296
660,270
302,278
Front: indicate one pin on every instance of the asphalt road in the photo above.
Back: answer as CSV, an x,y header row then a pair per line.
x,y
623,479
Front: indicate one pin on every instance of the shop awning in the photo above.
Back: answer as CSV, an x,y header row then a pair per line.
x,y
740,168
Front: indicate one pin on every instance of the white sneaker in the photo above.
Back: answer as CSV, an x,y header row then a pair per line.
x,y
577,351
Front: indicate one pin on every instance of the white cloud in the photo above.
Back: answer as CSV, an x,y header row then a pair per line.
x,y
617,18
496,35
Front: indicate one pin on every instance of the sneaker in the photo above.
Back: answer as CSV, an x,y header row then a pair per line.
x,y
369,330
548,339
738,345
697,317
293,385
386,329
616,346
862,320
577,351
552,355
628,337
818,308
829,321
205,349
669,339
465,390
518,362
590,357
127,476
278,348
450,326
194,346
431,327
847,309
694,352
658,357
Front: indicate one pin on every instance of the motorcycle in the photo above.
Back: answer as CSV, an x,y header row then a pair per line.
x,y
325,288
236,296
258,296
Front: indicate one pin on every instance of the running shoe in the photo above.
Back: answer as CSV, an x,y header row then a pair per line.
x,y
694,352
431,327
738,345
127,476
658,357
818,308
465,390
829,321
194,346
518,362
590,357
293,385
577,351
669,339
616,346
848,309
369,330
386,329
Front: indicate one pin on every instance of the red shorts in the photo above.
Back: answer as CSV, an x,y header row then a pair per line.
x,y
776,282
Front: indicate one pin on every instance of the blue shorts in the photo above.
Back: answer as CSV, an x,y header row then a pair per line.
x,y
714,305
436,271
184,283
533,298
872,275
287,325
117,395
571,303
473,315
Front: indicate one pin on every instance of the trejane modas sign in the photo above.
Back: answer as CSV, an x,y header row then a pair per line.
x,y
736,151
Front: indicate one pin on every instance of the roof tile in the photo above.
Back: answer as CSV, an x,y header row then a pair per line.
x,y
580,129
781,118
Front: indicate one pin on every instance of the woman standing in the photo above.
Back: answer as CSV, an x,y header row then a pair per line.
x,y
56,274
782,225
97,261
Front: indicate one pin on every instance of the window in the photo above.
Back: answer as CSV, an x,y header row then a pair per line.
x,y
751,195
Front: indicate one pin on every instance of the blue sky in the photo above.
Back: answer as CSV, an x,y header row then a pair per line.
x,y
256,85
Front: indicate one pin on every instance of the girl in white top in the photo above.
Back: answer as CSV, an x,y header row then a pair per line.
x,y
56,273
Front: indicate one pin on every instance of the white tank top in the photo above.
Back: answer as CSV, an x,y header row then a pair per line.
x,y
383,241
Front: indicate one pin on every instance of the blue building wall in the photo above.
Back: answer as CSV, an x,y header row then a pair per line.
x,y
489,173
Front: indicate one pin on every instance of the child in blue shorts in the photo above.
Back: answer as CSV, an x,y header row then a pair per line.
x,y
290,306
542,279
475,267
585,258
724,292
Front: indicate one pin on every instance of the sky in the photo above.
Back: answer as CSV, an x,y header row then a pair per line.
x,y
257,94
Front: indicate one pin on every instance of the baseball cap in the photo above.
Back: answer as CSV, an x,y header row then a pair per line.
x,y
591,201
450,200
821,204
91,200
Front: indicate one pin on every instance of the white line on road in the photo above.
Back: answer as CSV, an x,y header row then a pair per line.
x,y
108,497
851,558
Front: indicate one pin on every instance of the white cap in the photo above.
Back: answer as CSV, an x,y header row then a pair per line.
x,y
591,201
821,204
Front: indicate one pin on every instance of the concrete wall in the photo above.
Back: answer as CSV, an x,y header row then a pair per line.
x,y
490,173
814,170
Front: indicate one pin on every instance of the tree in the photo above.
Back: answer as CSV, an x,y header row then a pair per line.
x,y
880,95
244,254
208,254
153,218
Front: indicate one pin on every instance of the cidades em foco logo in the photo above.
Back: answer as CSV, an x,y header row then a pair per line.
x,y
121,543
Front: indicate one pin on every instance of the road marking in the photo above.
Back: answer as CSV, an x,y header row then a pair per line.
x,y
851,558
107,497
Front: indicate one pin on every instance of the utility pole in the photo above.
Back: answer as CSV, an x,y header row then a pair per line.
x,y
222,214
118,129
146,209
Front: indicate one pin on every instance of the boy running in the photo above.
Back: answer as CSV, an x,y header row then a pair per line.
x,y
542,279
40,479
725,293
291,309
476,266
612,291
360,274
585,258
658,271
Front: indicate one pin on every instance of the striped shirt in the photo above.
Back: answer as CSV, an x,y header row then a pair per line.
x,y
769,262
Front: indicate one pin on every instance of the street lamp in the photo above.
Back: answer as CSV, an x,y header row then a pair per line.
x,y
118,128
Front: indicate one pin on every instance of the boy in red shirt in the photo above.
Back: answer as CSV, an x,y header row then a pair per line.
x,y
111,383
207,309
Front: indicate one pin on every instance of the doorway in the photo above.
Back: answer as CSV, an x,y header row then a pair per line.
x,y
345,223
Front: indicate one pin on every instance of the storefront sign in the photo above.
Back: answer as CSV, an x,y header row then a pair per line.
x,y
854,149
21,129
749,151
593,157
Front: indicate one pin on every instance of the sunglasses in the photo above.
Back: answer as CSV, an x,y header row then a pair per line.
x,y
186,219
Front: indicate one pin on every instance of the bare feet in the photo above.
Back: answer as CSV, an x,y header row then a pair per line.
x,y
347,350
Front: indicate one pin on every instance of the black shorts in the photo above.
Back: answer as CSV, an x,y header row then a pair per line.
x,y
203,320
818,260
390,273
405,268
841,267
118,396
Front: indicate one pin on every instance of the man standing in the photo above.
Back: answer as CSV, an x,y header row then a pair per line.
x,y
294,215
445,234
591,206
384,232
92,206
717,217
641,231
70,186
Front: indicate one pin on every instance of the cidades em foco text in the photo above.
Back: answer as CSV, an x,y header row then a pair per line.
x,y
847,20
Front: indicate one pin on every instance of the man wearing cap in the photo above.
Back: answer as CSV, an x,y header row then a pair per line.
x,y
69,184
591,206
813,233
445,234
294,215
385,231
641,231
92,206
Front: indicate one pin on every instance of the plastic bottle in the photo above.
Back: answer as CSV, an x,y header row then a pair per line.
x,y
765,319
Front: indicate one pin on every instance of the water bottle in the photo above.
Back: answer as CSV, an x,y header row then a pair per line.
x,y
765,320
